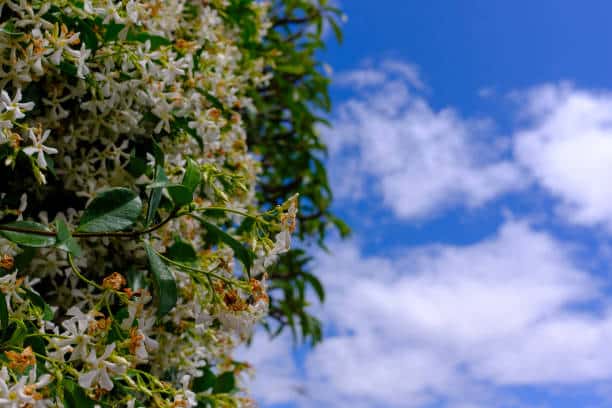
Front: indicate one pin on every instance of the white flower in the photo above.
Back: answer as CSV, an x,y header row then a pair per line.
x,y
34,19
101,370
39,148
76,336
24,393
112,13
61,41
10,285
23,204
82,68
135,310
14,106
186,398
141,344
89,8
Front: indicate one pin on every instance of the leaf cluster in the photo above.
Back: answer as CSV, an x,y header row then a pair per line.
x,y
285,133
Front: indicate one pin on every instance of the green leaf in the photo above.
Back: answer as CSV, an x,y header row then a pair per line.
x,y
29,239
111,210
342,226
75,397
39,302
160,184
111,31
291,69
4,316
316,285
245,255
68,68
192,176
246,225
116,333
181,125
205,382
158,153
137,166
155,40
65,241
214,101
19,333
337,30
37,343
156,194
135,279
23,259
9,29
225,383
180,194
87,34
165,285
181,251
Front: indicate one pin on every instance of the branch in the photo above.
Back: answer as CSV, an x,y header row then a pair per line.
x,y
115,234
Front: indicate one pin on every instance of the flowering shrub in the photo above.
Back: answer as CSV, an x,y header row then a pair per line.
x,y
132,253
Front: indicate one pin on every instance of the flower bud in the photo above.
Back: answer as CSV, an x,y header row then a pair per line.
x,y
114,281
7,262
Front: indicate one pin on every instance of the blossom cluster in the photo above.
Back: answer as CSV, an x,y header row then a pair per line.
x,y
101,99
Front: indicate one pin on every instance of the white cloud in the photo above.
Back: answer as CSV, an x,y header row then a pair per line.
x,y
360,78
567,145
276,379
457,323
389,141
368,76
419,159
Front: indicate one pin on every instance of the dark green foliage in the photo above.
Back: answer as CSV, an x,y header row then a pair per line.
x,y
215,235
4,317
112,210
65,241
182,251
285,134
74,396
166,292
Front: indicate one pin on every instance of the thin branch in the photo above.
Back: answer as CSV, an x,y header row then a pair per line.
x,y
117,234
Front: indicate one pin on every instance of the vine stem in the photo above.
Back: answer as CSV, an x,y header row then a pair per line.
x,y
80,275
125,234
196,270
229,210
117,234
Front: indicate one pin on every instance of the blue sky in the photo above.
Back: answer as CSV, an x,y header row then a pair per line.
x,y
471,153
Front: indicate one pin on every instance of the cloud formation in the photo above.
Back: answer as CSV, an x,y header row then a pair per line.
x,y
419,159
567,145
389,141
456,324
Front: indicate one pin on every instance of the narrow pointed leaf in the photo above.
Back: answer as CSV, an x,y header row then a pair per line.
x,y
65,241
39,302
315,283
29,239
165,285
192,176
244,254
156,194
4,316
